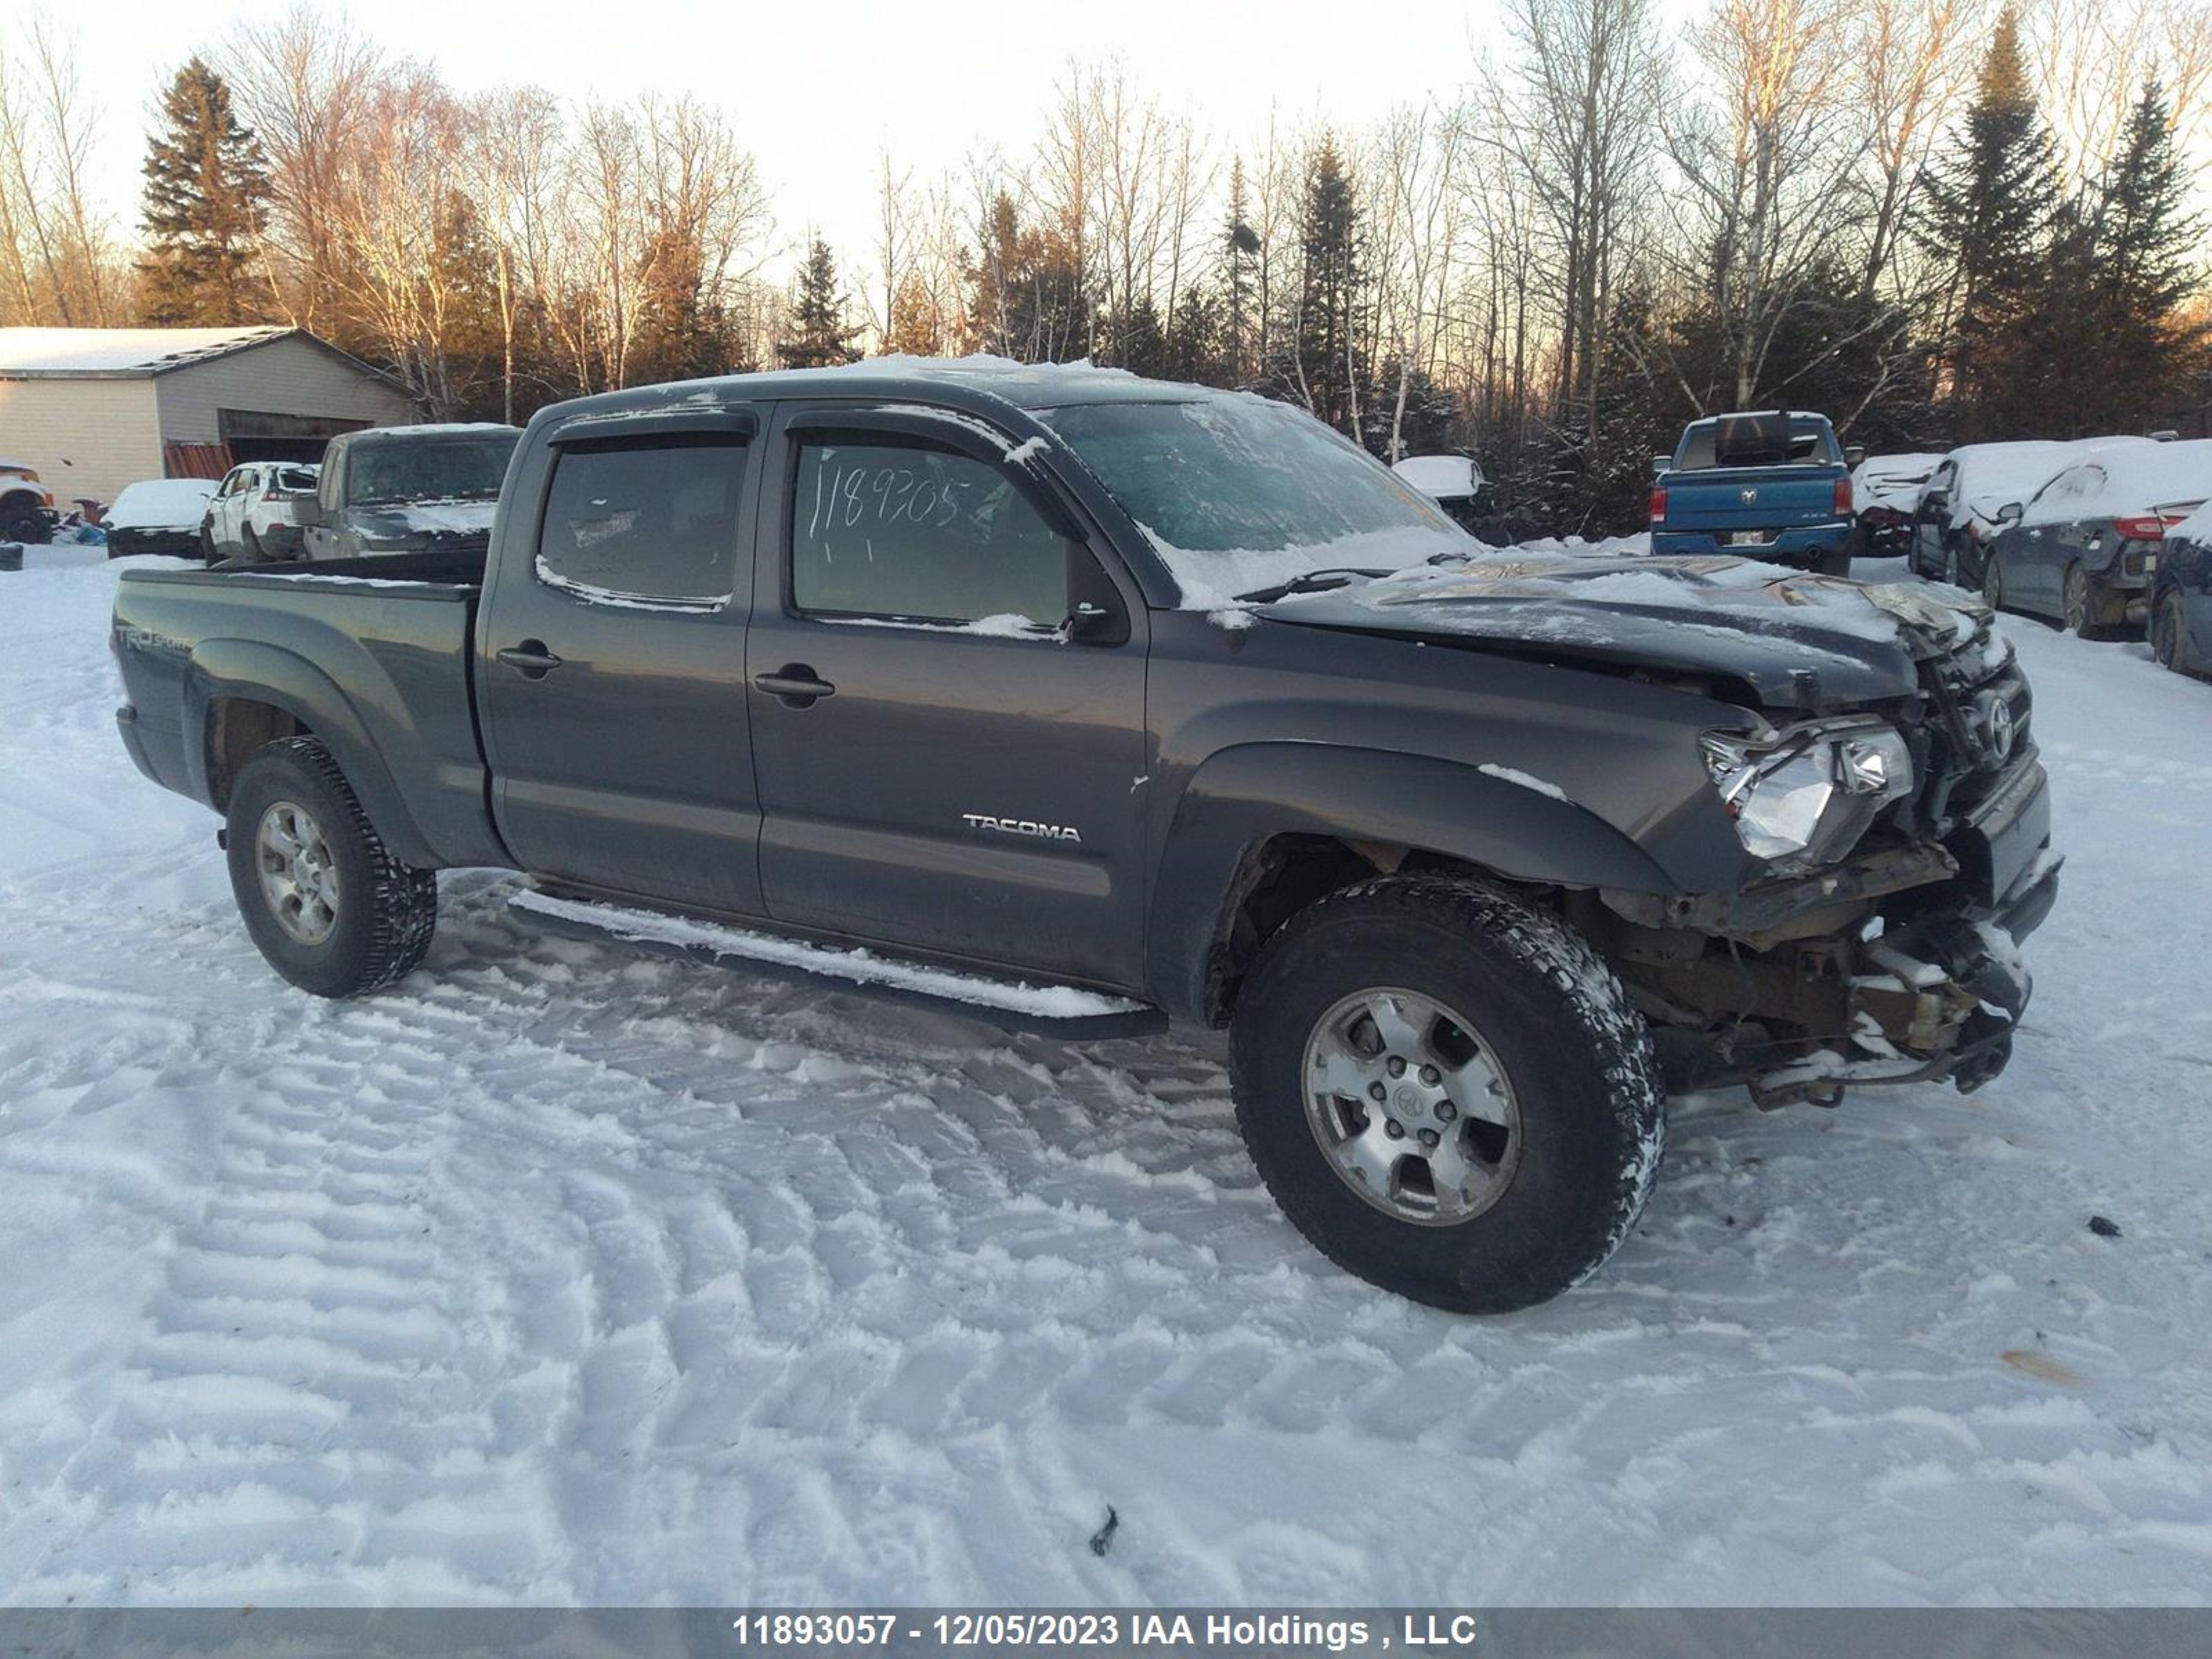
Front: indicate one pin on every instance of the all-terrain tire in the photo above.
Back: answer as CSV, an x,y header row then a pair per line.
x,y
385,911
1570,1045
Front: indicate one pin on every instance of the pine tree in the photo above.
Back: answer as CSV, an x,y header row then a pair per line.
x,y
824,336
207,185
2146,239
1985,216
1328,372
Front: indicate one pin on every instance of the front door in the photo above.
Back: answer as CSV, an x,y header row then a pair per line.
x,y
612,664
941,765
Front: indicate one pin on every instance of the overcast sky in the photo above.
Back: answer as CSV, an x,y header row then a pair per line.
x,y
815,90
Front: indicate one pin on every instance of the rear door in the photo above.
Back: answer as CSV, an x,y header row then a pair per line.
x,y
2037,576
611,661
941,766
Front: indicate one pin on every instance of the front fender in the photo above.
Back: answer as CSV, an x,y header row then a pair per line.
x,y
1241,797
267,673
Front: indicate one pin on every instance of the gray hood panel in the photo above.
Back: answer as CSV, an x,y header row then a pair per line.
x,y
1767,626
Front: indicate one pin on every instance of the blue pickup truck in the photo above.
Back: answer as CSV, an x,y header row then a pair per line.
x,y
1772,485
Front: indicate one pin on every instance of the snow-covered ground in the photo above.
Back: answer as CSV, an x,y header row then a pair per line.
x,y
567,1275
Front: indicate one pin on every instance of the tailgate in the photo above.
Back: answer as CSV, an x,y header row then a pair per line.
x,y
1750,498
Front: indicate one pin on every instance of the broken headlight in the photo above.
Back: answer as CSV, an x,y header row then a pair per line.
x,y
1802,797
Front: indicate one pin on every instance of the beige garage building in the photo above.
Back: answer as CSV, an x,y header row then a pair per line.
x,y
95,408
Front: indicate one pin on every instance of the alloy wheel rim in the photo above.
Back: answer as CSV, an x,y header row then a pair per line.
x,y
298,871
1410,1106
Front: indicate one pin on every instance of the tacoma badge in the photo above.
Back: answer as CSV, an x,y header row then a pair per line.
x,y
1021,827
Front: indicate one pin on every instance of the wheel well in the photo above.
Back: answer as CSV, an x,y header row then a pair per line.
x,y
237,729
1279,876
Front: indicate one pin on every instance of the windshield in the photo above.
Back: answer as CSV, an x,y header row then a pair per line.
x,y
1758,441
432,470
1239,494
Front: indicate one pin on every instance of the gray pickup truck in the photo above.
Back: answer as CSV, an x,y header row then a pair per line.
x,y
1093,702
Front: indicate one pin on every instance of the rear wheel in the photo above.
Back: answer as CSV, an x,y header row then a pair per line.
x,y
2084,604
1447,1091
2169,636
330,907
254,551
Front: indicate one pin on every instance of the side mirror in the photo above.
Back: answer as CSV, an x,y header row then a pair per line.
x,y
1855,455
1660,463
2009,513
1096,614
309,511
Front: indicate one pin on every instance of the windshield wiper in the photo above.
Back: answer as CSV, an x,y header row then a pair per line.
x,y
1312,581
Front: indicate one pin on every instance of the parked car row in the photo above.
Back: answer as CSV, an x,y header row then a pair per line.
x,y
2096,534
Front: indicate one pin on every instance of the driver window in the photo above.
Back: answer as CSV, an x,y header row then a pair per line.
x,y
898,530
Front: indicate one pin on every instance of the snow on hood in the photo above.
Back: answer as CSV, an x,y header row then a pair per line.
x,y
162,504
1992,477
2113,481
1760,623
1892,481
446,518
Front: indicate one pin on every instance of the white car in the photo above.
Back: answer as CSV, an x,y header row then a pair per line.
x,y
255,512
158,515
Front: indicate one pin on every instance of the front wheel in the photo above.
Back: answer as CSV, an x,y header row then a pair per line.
x,y
1448,1092
330,907
1993,593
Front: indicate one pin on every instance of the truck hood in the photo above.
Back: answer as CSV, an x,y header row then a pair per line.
x,y
420,526
1800,641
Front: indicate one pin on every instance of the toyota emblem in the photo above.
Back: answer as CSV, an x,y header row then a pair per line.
x,y
2000,729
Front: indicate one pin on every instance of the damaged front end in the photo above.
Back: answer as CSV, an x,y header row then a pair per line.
x,y
1896,962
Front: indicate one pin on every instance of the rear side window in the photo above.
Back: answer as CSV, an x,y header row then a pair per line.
x,y
647,521
907,532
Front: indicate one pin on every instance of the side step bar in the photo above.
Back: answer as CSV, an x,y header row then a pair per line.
x,y
1060,1011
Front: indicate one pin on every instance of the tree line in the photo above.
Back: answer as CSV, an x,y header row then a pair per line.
x,y
1936,219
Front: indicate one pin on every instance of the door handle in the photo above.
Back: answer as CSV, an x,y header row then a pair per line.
x,y
795,684
531,659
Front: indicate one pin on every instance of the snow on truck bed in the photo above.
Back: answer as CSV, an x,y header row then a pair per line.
x,y
567,1274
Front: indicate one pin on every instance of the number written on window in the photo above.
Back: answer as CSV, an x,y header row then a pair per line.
x,y
907,532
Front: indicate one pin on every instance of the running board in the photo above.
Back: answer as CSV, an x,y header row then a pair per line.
x,y
1060,1011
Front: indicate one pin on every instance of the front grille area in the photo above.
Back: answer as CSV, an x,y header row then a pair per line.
x,y
1978,727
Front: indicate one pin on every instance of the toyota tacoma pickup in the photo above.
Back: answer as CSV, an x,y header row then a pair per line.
x,y
1098,703
1774,486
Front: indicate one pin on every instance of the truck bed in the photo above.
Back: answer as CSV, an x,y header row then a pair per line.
x,y
371,655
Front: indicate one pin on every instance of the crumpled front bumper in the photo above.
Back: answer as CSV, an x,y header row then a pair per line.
x,y
1941,996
